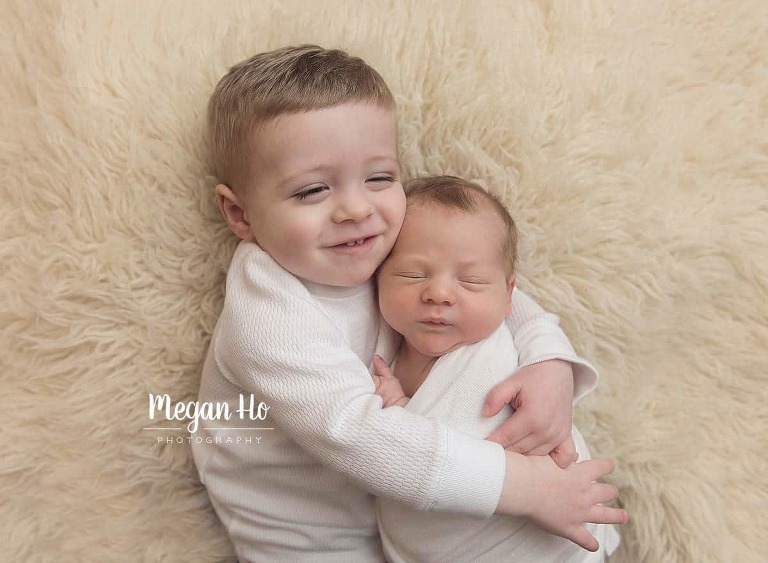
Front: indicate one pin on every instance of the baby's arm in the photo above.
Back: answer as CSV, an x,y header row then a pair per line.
x,y
387,385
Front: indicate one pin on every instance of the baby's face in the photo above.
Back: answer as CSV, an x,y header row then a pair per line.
x,y
324,197
444,284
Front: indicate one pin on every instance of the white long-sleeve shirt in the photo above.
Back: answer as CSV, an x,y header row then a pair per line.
x,y
454,392
303,491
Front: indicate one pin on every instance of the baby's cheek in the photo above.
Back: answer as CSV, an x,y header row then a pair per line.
x,y
393,306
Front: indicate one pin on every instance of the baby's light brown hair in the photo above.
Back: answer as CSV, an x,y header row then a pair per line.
x,y
452,192
287,80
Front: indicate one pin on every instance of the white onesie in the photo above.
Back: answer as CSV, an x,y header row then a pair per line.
x,y
454,393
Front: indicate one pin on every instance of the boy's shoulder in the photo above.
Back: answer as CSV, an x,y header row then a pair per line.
x,y
251,266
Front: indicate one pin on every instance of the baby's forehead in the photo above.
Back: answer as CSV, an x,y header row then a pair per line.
x,y
439,214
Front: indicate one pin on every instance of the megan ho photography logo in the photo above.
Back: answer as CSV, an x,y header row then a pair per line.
x,y
208,415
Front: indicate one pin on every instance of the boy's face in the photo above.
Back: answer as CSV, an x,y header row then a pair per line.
x,y
444,284
324,197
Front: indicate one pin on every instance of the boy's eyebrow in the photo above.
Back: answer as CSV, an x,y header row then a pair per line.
x,y
304,172
324,167
391,159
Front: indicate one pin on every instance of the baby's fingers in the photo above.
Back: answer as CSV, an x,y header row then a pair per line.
x,y
380,367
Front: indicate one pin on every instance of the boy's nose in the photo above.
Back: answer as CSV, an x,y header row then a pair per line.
x,y
352,207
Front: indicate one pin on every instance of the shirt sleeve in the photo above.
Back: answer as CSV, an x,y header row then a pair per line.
x,y
274,341
539,337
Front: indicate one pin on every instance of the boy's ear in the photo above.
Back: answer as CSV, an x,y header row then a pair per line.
x,y
511,287
234,213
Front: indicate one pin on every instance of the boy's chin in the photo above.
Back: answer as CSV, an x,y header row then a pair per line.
x,y
348,280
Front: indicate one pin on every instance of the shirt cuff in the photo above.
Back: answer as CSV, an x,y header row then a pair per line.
x,y
539,345
472,478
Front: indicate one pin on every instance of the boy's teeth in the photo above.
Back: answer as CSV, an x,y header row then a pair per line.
x,y
354,242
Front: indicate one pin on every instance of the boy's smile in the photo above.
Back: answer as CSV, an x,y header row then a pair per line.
x,y
324,197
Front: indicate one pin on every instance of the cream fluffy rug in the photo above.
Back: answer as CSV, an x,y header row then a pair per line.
x,y
630,139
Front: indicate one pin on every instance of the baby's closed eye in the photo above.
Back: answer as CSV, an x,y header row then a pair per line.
x,y
472,282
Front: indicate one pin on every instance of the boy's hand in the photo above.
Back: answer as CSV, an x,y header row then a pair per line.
x,y
560,501
541,395
387,385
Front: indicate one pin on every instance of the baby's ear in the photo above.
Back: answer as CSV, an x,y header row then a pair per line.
x,y
234,212
510,289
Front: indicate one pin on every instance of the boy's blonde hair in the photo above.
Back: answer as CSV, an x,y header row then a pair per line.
x,y
452,192
287,80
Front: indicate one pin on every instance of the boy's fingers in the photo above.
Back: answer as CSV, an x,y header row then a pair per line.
x,y
597,468
565,453
605,492
536,443
509,435
499,396
608,515
583,538
531,445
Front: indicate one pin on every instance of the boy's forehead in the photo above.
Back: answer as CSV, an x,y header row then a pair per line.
x,y
365,129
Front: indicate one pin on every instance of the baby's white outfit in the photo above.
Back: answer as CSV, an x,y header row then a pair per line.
x,y
454,393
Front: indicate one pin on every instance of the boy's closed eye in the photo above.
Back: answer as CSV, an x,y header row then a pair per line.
x,y
310,191
381,180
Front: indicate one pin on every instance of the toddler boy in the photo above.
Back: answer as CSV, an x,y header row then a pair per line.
x,y
446,287
304,144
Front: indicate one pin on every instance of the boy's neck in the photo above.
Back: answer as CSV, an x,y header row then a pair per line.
x,y
322,290
412,368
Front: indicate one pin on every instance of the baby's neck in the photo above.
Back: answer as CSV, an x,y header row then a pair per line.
x,y
412,368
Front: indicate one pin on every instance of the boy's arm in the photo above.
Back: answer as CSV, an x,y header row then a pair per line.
x,y
539,338
542,390
272,340
560,501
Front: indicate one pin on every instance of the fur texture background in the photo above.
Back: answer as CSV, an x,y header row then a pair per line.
x,y
629,138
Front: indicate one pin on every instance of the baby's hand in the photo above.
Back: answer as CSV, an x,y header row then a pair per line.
x,y
560,501
387,385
